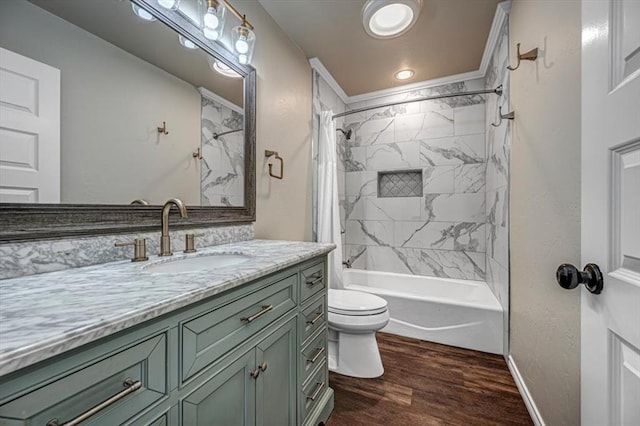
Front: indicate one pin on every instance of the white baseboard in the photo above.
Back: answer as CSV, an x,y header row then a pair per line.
x,y
524,392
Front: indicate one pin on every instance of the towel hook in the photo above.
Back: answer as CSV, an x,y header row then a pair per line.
x,y
268,153
508,116
163,129
197,154
531,55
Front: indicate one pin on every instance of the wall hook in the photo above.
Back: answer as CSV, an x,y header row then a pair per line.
x,y
268,153
197,154
509,116
531,55
163,129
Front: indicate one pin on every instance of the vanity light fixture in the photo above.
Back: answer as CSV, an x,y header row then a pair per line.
x,y
404,74
390,18
213,19
244,40
142,13
169,4
186,42
223,69
242,37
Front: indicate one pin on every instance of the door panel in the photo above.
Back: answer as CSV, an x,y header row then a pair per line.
x,y
226,399
29,130
276,386
610,382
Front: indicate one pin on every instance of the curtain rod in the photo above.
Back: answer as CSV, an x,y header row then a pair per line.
x,y
497,91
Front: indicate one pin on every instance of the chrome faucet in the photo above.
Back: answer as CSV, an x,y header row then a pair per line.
x,y
165,240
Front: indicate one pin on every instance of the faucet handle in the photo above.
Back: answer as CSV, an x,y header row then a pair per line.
x,y
190,242
139,249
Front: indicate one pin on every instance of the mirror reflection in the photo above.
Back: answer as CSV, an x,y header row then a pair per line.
x,y
142,113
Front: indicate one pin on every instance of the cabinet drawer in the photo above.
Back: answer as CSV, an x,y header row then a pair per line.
x,y
312,391
312,281
312,318
205,338
313,355
73,394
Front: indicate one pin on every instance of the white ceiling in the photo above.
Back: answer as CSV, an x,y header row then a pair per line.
x,y
448,38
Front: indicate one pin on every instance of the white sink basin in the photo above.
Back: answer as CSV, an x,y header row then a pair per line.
x,y
207,262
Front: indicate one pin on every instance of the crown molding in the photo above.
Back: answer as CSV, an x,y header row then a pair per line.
x,y
324,72
500,16
219,99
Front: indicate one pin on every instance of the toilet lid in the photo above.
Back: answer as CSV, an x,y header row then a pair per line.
x,y
348,302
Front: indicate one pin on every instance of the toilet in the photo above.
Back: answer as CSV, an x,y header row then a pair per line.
x,y
354,318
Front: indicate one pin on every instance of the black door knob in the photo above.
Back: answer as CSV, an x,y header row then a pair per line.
x,y
570,277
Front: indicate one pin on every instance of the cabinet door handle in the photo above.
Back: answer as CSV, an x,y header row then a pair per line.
x,y
319,316
263,366
130,385
316,392
265,309
318,354
255,373
315,279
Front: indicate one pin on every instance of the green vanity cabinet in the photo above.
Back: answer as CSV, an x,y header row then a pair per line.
x,y
253,355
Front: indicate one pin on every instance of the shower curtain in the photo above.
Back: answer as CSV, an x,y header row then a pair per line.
x,y
328,207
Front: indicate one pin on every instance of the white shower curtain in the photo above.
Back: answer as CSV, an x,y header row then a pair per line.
x,y
328,207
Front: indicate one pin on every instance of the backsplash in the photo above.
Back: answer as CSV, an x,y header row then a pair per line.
x,y
35,257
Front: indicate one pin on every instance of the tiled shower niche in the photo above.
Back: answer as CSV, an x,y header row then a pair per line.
x,y
400,184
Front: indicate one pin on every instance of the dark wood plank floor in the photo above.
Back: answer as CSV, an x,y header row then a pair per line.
x,y
429,384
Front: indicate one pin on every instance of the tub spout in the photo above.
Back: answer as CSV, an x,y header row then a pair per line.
x,y
347,263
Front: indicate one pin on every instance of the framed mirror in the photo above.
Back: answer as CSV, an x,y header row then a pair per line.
x,y
145,109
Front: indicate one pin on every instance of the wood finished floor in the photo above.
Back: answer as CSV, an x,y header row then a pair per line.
x,y
429,384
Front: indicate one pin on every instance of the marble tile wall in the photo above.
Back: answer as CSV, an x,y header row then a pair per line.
x,y
36,257
498,144
441,233
222,164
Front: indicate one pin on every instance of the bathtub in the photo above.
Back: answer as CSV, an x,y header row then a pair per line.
x,y
452,312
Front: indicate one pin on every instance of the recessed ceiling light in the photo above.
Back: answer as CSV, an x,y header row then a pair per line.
x,y
142,14
223,69
187,43
404,74
390,18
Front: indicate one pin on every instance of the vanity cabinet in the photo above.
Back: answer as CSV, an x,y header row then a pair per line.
x,y
252,355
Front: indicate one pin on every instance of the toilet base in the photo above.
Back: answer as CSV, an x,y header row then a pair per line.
x,y
354,355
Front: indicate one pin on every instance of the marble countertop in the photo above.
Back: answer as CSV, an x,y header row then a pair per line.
x,y
47,314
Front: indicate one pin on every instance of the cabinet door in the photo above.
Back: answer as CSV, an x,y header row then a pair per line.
x,y
225,399
276,385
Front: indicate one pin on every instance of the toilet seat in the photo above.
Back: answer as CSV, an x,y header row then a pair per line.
x,y
355,303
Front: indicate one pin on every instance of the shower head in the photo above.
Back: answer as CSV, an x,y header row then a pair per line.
x,y
347,134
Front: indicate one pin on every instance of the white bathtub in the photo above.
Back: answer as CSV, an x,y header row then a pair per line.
x,y
448,311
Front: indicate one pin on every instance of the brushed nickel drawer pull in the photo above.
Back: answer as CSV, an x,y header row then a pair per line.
x,y
319,316
130,385
316,392
315,279
265,309
263,366
316,356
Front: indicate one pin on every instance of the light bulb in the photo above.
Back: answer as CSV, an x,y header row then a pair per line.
x,y
243,59
241,45
186,42
211,34
169,4
211,20
142,14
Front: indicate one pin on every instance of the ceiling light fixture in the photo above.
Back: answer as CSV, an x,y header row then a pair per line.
x,y
390,18
142,14
223,69
169,4
404,74
186,42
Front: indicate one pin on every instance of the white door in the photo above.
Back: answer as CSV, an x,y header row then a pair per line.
x,y
29,130
610,384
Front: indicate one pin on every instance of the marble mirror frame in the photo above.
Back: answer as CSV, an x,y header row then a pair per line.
x,y
24,222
